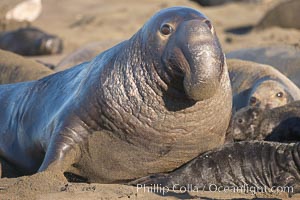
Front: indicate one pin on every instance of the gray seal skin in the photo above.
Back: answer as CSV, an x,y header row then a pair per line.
x,y
280,124
141,107
285,58
30,41
15,68
259,85
256,164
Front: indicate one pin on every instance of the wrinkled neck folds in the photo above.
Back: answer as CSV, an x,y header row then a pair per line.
x,y
139,76
133,99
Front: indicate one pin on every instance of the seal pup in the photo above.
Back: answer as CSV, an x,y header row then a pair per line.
x,y
280,124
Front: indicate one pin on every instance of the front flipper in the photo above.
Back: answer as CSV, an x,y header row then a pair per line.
x,y
8,170
253,163
63,150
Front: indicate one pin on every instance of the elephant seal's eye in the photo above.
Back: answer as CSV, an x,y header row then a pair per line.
x,y
166,29
240,121
279,94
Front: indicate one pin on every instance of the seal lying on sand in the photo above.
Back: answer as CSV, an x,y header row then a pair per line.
x,y
283,15
15,68
30,41
260,165
259,85
278,124
84,54
147,105
285,58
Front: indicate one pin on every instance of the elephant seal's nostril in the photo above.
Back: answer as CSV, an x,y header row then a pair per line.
x,y
210,26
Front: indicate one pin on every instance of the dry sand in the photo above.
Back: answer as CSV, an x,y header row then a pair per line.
x,y
48,186
80,22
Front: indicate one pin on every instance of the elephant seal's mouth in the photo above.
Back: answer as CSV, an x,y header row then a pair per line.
x,y
186,82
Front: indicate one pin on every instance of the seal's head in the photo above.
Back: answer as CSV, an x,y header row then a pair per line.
x,y
187,51
269,94
50,45
245,122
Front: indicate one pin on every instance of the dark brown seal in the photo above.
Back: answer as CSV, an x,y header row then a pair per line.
x,y
141,107
30,41
257,166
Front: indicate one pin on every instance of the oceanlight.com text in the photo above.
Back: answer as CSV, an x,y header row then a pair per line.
x,y
158,188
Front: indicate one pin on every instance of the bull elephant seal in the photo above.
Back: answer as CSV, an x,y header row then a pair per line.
x,y
15,68
278,124
141,107
285,58
260,85
30,42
